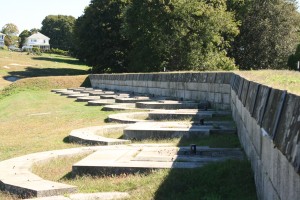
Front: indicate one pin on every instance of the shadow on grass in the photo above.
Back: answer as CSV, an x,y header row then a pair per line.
x,y
66,140
36,72
60,60
232,179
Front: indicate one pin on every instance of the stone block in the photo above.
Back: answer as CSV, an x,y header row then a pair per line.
x,y
192,86
245,92
273,111
188,94
227,77
225,98
164,85
261,103
240,88
219,78
180,93
251,97
218,98
204,87
203,77
288,131
211,77
235,83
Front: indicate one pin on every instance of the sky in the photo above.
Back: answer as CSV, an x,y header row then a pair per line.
x,y
28,14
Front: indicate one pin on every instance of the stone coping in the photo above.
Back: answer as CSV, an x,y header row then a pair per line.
x,y
90,196
128,118
92,135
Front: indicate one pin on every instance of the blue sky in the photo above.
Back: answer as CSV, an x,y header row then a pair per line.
x,y
28,14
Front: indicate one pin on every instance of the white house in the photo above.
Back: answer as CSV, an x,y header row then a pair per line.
x,y
2,36
37,40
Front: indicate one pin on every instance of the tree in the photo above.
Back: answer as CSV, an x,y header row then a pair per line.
x,y
11,31
180,35
268,33
98,36
22,37
294,59
60,30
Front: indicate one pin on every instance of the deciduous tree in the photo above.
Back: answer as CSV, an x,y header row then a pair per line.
x,y
180,34
22,37
268,33
11,31
59,28
99,38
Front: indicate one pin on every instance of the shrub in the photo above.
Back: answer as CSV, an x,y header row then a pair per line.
x,y
4,48
36,51
59,52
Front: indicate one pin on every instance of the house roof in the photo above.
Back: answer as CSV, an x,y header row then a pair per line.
x,y
38,35
2,34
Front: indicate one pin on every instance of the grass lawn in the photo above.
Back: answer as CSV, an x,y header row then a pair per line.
x,y
280,79
21,65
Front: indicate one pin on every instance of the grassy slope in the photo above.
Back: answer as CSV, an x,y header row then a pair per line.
x,y
33,120
22,65
280,79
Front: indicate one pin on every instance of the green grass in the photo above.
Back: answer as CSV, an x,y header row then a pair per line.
x,y
21,65
33,120
280,79
227,180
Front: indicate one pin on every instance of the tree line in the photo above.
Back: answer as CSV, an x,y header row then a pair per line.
x,y
153,35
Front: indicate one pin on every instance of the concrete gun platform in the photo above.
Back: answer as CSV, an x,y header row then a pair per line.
x,y
168,105
133,159
94,135
101,102
16,177
166,130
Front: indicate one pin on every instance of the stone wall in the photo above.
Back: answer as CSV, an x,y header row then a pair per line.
x,y
214,87
268,120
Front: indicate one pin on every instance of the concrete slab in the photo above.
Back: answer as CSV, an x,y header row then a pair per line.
x,y
16,177
89,196
133,99
75,96
94,135
132,159
99,93
87,98
120,106
128,118
101,102
58,90
168,104
163,130
101,195
67,93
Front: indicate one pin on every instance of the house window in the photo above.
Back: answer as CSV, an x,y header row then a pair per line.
x,y
33,40
44,41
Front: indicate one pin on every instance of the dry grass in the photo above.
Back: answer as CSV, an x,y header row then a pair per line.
x,y
21,65
280,79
